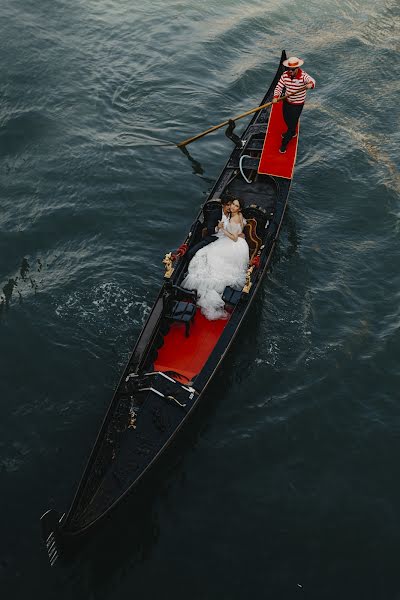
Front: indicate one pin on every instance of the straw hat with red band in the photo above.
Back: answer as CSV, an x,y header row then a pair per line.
x,y
293,62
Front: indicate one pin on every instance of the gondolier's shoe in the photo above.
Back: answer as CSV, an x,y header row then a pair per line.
x,y
282,149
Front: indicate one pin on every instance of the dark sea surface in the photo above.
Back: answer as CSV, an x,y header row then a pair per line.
x,y
289,487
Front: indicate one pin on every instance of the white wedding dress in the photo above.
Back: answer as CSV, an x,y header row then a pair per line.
x,y
221,263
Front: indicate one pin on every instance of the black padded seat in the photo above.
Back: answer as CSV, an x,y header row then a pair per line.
x,y
231,296
183,312
180,305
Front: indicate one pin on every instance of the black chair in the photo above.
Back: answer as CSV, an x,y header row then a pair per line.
x,y
180,306
231,296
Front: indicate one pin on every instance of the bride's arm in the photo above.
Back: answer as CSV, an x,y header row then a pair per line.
x,y
232,236
235,236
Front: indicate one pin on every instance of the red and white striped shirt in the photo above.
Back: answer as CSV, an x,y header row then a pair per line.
x,y
299,80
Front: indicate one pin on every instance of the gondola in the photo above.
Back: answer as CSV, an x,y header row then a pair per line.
x,y
178,351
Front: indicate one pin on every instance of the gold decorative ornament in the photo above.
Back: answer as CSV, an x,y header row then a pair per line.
x,y
168,265
132,421
248,283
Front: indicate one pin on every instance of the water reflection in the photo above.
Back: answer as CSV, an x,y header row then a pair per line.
x,y
290,227
373,144
14,284
24,268
126,542
196,165
8,291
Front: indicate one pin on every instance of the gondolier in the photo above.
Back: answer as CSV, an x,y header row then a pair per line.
x,y
293,79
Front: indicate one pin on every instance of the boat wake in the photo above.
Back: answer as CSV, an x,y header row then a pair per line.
x,y
105,306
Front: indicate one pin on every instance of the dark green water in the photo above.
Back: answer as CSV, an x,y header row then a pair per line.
x,y
289,488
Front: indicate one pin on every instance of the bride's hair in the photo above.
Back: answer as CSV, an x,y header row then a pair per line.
x,y
241,203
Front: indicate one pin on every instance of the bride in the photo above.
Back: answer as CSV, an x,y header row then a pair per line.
x,y
219,264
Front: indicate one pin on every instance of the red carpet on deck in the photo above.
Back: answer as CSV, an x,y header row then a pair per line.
x,y
271,161
187,355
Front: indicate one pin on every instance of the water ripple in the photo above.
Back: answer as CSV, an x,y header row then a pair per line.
x,y
304,412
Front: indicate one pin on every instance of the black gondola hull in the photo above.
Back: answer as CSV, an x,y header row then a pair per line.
x,y
150,407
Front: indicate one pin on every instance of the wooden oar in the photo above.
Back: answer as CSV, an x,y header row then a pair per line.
x,y
249,112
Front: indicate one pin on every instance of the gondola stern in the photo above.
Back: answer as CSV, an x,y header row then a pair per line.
x,y
50,523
